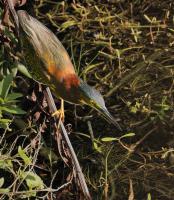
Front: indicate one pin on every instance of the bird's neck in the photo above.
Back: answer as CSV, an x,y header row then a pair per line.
x,y
71,81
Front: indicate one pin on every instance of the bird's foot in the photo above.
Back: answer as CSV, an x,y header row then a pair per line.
x,y
60,113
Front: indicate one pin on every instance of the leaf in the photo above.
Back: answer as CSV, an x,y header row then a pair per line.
x,y
5,85
1,181
149,196
33,181
24,70
1,100
4,190
13,96
13,110
108,139
96,147
6,164
5,120
127,135
4,123
24,157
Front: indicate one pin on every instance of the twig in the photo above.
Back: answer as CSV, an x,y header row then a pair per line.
x,y
11,5
90,131
131,191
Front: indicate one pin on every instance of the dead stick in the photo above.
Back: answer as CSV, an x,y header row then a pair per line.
x,y
11,6
78,170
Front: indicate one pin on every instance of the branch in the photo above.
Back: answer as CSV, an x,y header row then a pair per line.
x,y
77,168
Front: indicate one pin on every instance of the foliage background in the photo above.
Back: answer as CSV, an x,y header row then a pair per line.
x,y
124,49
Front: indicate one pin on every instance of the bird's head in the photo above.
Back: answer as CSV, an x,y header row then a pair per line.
x,y
94,99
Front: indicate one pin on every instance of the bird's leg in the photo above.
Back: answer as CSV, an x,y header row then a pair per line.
x,y
60,112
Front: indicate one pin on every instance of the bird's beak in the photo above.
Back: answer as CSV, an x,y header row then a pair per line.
x,y
106,114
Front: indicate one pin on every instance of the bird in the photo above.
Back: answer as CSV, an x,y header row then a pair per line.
x,y
49,63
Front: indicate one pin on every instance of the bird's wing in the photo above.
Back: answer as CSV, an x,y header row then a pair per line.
x,y
46,45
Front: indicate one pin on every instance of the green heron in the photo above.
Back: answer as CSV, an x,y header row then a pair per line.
x,y
49,63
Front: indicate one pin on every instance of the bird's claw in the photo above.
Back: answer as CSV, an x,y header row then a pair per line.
x,y
60,113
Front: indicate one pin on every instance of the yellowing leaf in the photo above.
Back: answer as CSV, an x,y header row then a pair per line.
x,y
1,181
96,147
108,139
127,135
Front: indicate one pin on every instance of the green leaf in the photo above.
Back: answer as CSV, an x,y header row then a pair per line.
x,y
127,135
5,120
24,157
6,164
4,123
14,69
5,85
4,190
13,96
13,110
33,181
24,70
134,109
109,139
1,181
1,100
5,127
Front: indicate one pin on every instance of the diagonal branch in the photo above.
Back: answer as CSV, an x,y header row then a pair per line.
x,y
77,169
